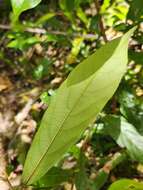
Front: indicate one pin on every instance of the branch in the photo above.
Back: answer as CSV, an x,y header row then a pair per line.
x,y
22,115
101,25
44,31
104,172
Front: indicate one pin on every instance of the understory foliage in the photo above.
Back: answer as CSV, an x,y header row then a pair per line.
x,y
80,64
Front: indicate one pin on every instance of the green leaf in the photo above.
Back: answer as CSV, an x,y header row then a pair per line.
x,y
136,56
76,47
78,101
19,6
131,108
46,96
103,175
135,12
23,43
42,69
126,184
68,5
44,18
68,8
81,178
55,176
126,135
100,180
81,14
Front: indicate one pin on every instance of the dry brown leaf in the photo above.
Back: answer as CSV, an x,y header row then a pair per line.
x,y
4,83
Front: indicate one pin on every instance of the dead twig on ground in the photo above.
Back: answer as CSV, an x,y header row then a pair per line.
x,y
21,116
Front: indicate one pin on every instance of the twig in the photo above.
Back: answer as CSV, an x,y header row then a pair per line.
x,y
72,186
104,172
101,25
22,115
5,27
44,31
4,181
9,183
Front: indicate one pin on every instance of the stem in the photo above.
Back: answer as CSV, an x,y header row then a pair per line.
x,y
104,172
101,25
10,185
72,186
44,31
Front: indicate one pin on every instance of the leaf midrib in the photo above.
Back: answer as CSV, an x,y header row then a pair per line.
x,y
66,117
58,132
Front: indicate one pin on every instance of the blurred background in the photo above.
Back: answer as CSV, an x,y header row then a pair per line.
x,y
37,52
